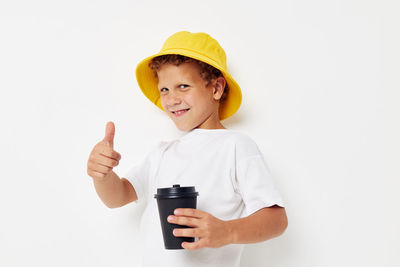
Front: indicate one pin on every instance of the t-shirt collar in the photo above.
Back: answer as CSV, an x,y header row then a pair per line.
x,y
199,131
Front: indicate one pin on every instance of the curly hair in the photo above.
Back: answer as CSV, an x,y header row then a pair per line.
x,y
207,72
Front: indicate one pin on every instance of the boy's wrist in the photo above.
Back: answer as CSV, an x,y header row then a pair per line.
x,y
230,232
104,179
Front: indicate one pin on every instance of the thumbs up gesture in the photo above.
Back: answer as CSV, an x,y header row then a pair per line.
x,y
103,157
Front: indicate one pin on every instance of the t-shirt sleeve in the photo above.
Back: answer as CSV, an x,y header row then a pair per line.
x,y
139,174
136,175
254,181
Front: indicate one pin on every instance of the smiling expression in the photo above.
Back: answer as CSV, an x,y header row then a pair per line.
x,y
186,98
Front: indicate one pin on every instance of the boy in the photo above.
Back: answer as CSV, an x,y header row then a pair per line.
x,y
238,202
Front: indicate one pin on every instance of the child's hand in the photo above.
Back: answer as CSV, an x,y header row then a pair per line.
x,y
211,231
103,157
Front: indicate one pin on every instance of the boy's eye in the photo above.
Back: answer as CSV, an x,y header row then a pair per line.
x,y
182,86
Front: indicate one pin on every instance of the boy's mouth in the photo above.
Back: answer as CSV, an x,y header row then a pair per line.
x,y
178,113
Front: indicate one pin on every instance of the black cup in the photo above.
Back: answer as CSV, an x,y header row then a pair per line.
x,y
169,199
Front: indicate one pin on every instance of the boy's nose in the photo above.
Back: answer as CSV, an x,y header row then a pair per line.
x,y
173,100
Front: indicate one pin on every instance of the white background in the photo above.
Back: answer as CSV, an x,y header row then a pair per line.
x,y
320,82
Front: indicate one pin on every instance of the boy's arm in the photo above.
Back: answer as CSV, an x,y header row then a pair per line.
x,y
114,191
262,225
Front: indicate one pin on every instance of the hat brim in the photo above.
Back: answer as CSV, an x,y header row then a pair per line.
x,y
148,82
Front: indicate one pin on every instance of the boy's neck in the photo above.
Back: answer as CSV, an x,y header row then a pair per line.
x,y
209,125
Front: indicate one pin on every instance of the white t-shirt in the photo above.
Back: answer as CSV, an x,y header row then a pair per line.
x,y
231,176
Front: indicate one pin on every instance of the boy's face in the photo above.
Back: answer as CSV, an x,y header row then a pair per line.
x,y
186,99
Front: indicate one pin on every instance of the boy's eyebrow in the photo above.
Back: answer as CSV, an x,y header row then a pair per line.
x,y
177,85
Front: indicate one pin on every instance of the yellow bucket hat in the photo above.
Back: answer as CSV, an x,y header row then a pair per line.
x,y
200,46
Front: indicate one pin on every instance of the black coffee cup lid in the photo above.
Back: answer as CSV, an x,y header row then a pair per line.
x,y
176,191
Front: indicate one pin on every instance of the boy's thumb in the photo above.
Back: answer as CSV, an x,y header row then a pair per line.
x,y
110,132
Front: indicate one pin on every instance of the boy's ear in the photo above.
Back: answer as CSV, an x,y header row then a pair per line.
x,y
219,87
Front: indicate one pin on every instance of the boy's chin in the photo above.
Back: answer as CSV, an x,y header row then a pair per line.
x,y
184,128
187,129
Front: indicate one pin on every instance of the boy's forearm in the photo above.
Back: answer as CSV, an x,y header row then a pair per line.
x,y
262,225
110,190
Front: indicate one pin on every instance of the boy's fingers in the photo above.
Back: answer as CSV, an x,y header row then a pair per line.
x,y
194,245
190,212
186,232
100,168
183,220
112,155
108,162
110,132
109,152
